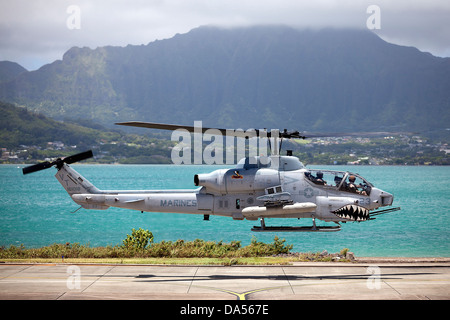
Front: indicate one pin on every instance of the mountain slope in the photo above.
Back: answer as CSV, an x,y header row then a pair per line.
x,y
255,77
10,70
19,126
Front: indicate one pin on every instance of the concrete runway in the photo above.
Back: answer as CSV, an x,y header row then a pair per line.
x,y
317,281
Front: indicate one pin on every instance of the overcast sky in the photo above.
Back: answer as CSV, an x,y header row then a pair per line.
x,y
37,32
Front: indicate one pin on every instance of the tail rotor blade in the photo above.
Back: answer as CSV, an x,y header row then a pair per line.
x,y
78,157
58,162
37,167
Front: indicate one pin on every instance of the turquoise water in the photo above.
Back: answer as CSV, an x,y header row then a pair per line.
x,y
35,211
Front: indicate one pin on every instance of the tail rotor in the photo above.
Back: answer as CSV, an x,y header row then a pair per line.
x,y
58,162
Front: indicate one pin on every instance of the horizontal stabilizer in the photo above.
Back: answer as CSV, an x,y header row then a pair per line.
x,y
134,200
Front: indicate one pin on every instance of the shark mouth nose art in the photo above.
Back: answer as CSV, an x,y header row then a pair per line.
x,y
352,212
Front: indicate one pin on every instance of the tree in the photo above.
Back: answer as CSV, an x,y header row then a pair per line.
x,y
138,240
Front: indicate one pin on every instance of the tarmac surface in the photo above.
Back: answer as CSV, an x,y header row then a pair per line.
x,y
369,280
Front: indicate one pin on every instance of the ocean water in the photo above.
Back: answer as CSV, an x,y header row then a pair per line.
x,y
35,211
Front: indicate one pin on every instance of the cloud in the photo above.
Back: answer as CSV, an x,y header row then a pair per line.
x,y
36,32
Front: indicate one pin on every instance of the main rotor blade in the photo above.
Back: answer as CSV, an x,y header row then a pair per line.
x,y
225,132
350,134
259,133
37,167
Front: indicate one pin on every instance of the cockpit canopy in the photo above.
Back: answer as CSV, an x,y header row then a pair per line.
x,y
339,180
280,163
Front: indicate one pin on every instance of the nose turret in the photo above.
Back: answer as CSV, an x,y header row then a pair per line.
x,y
386,199
380,198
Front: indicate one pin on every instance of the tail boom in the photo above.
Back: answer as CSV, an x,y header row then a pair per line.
x,y
183,202
88,196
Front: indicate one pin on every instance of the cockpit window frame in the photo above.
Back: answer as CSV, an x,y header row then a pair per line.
x,y
336,173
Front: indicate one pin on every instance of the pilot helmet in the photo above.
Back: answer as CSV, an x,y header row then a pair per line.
x,y
320,175
351,178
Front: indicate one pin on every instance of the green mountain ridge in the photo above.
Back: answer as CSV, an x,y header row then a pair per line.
x,y
252,77
34,137
10,70
27,137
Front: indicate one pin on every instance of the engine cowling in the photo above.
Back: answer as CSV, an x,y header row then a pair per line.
x,y
237,180
213,182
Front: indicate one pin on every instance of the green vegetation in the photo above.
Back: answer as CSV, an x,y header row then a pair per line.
x,y
140,245
140,248
138,240
26,137
398,150
29,137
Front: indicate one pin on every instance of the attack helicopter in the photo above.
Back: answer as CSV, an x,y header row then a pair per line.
x,y
258,187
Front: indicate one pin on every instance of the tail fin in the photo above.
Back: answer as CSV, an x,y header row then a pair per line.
x,y
73,182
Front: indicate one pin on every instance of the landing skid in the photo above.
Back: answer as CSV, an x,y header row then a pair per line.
x,y
297,229
313,228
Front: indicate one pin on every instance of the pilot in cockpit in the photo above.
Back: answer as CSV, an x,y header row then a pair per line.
x,y
319,179
352,187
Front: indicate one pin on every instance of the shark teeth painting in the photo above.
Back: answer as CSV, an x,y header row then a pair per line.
x,y
352,212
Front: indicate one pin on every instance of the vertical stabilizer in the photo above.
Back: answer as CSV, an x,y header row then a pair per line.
x,y
73,182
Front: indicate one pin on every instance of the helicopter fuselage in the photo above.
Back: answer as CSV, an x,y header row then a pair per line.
x,y
258,187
